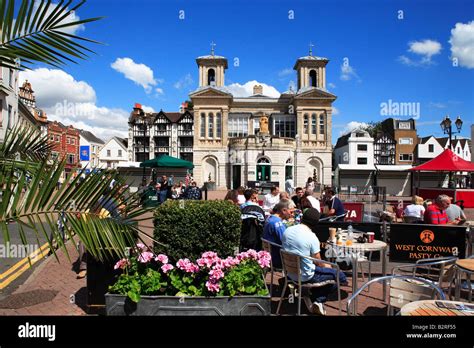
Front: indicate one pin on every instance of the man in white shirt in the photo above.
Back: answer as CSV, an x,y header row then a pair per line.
x,y
272,198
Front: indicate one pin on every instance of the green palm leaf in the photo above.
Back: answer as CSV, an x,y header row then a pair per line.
x,y
37,34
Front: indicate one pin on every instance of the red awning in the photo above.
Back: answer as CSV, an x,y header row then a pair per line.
x,y
447,161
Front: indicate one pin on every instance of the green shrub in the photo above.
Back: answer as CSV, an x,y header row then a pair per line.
x,y
189,228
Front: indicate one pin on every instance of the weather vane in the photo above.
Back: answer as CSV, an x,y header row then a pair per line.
x,y
212,48
311,48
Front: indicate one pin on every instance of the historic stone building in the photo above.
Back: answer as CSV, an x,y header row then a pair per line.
x,y
256,139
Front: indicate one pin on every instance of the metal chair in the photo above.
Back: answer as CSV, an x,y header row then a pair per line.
x,y
458,276
403,290
443,268
267,246
291,264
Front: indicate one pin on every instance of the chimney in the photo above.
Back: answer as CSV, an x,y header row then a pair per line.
x,y
257,89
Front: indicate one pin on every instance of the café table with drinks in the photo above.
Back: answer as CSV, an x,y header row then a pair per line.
x,y
437,308
354,245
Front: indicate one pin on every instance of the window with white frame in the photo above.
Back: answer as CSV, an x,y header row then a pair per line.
x,y
238,127
313,123
305,124
322,126
362,160
405,141
120,153
284,126
219,125
430,148
71,158
405,157
108,153
362,147
210,133
203,125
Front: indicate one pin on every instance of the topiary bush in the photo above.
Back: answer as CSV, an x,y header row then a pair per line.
x,y
189,228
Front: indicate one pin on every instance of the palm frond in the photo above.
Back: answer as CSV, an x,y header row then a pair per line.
x,y
37,33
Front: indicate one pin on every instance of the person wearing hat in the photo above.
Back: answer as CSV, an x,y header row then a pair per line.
x,y
301,240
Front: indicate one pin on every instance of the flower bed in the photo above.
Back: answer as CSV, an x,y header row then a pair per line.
x,y
146,274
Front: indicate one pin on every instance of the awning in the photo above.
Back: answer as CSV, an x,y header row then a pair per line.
x,y
167,161
447,161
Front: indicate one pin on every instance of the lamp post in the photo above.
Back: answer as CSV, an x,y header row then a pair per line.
x,y
447,127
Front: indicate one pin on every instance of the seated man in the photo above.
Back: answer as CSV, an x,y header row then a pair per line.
x,y
300,239
271,198
274,228
455,213
334,204
436,213
298,196
253,218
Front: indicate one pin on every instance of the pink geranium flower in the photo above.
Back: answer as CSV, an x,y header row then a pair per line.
x,y
264,263
264,255
122,264
141,246
216,273
213,286
162,258
167,267
145,257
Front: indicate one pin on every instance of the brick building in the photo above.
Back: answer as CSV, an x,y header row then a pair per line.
x,y
65,144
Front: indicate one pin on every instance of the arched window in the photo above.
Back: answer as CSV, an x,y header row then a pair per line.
x,y
219,125
313,123
203,125
210,133
313,78
263,160
321,124
211,77
305,124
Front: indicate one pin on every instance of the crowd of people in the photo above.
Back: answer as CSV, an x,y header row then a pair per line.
x,y
289,220
167,188
443,211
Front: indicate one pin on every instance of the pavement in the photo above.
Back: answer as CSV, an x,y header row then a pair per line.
x,y
50,286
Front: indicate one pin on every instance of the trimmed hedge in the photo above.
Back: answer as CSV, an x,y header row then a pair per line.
x,y
189,228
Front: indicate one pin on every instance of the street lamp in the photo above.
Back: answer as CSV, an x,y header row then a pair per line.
x,y
447,127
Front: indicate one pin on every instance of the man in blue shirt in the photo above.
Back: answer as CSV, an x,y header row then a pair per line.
x,y
274,228
336,208
301,240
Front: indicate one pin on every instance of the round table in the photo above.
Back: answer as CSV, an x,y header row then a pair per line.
x,y
429,308
464,266
354,251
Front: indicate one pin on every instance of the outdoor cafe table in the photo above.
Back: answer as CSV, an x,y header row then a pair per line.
x,y
429,308
354,251
466,266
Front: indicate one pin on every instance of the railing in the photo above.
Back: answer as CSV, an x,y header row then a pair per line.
x,y
162,149
141,148
353,193
141,133
185,132
185,149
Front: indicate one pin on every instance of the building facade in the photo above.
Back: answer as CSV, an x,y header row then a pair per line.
x,y
27,101
354,159
162,133
89,149
114,154
8,100
65,144
259,139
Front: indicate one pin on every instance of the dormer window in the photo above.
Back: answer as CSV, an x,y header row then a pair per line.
x,y
313,78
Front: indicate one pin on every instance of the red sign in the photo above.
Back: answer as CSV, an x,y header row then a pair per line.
x,y
355,211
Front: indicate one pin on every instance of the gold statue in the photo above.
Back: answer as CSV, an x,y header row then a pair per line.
x,y
264,124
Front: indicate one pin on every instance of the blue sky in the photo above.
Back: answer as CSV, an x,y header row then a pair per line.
x,y
387,57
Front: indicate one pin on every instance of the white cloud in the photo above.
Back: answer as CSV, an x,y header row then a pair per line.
x,y
147,108
285,72
159,91
139,73
331,85
353,125
53,85
335,111
184,82
73,102
462,44
425,48
348,72
438,105
246,90
73,17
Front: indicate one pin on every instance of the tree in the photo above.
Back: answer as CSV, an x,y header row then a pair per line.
x,y
37,33
373,128
28,177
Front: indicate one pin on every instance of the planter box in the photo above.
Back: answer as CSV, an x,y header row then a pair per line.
x,y
192,305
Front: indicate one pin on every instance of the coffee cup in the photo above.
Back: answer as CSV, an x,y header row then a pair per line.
x,y
332,233
370,237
